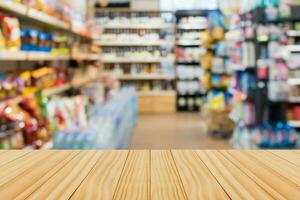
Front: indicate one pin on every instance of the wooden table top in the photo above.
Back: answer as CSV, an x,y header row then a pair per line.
x,y
145,174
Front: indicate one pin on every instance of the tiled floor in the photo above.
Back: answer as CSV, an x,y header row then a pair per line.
x,y
173,131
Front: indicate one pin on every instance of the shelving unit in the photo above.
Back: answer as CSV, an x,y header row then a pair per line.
x,y
49,91
185,29
27,13
43,24
138,42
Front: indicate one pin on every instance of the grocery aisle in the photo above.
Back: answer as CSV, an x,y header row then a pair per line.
x,y
173,131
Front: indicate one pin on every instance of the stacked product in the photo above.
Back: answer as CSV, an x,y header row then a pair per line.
x,y
116,119
24,117
265,122
138,48
217,76
189,50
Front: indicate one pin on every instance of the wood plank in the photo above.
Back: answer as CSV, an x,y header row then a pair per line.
x,y
102,181
258,181
8,156
63,184
135,179
282,167
197,180
20,165
25,183
288,155
236,184
279,187
165,180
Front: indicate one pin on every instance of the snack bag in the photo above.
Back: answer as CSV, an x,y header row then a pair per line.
x,y
11,29
2,41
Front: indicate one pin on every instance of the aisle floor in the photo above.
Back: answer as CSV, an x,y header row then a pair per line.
x,y
173,131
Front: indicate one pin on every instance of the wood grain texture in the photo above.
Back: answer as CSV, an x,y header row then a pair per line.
x,y
16,167
102,182
30,180
197,180
165,180
281,166
237,184
149,174
135,179
8,156
288,155
67,180
266,177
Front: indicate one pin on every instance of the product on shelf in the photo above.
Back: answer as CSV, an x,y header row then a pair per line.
x,y
149,85
11,30
266,136
262,50
116,119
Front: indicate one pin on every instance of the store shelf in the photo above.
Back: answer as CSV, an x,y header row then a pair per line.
x,y
157,93
294,123
294,81
56,90
49,91
85,56
33,56
133,60
138,26
191,27
11,6
47,19
12,56
37,16
135,43
146,77
189,43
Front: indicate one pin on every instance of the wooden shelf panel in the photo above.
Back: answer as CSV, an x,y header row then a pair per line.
x,y
150,174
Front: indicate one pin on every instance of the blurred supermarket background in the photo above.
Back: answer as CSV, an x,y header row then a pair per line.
x,y
158,74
